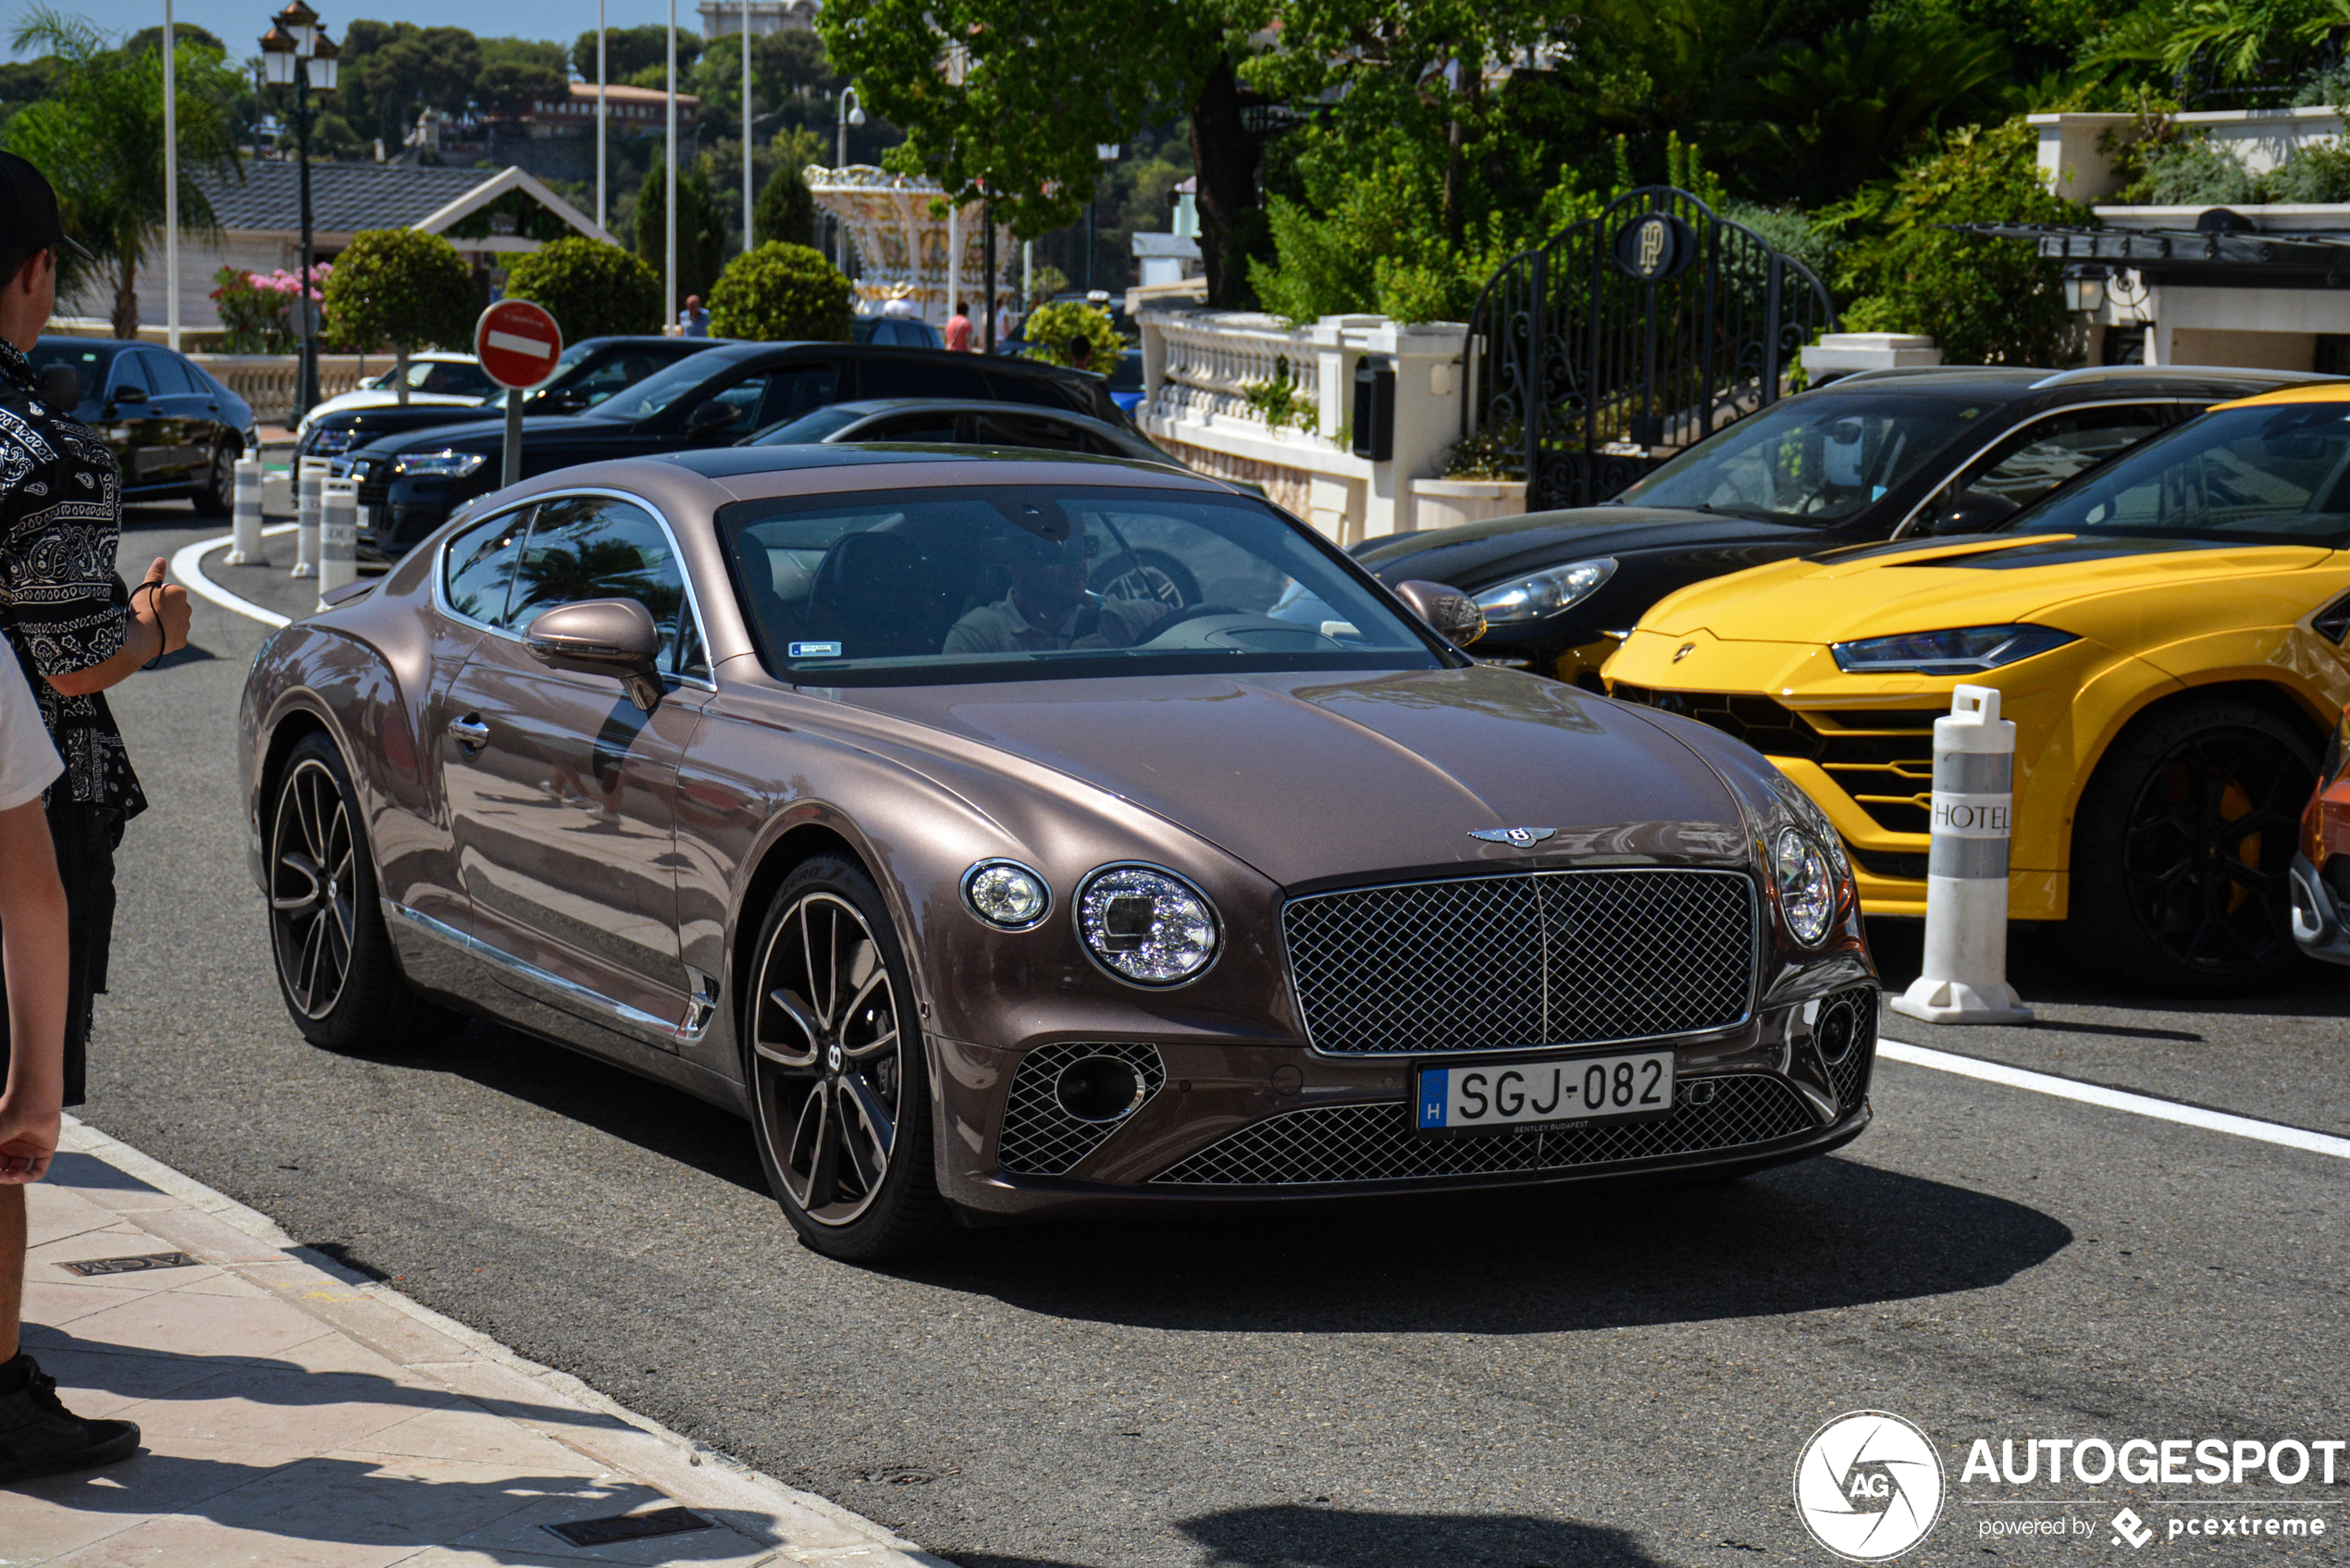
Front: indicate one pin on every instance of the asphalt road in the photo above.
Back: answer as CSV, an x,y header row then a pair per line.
x,y
1618,1378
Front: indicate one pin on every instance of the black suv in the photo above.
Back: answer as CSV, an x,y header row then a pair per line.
x,y
1879,455
409,483
590,371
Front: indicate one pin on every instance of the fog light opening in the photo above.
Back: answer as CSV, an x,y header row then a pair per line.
x,y
1099,1089
1836,1031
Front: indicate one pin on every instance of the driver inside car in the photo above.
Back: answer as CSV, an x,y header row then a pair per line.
x,y
1049,609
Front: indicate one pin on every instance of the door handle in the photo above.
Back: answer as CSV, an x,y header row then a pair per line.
x,y
471,733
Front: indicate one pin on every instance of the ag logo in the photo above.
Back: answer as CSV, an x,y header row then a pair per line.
x,y
1869,1486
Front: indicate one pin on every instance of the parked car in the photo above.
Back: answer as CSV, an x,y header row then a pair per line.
x,y
1879,456
2167,634
435,380
897,331
2320,879
410,484
174,430
588,372
962,423
752,770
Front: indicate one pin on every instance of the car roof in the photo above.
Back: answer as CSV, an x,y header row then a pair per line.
x,y
865,406
738,465
2017,382
445,356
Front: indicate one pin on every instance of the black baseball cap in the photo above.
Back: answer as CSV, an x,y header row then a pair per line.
x,y
28,210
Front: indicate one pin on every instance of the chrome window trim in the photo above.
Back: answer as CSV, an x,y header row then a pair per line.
x,y
684,572
1901,529
1758,937
632,1021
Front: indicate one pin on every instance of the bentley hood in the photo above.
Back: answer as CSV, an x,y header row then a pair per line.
x,y
1336,774
1976,581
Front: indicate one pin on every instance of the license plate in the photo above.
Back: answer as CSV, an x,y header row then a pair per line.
x,y
1580,1089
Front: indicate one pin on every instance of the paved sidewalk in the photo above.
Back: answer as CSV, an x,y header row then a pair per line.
x,y
294,1412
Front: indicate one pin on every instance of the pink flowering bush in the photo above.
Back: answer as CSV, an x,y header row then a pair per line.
x,y
258,307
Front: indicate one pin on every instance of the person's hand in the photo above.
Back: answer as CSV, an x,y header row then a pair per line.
x,y
165,607
28,1142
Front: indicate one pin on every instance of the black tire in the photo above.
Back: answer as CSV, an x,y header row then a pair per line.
x,y
323,913
838,1071
2181,849
215,491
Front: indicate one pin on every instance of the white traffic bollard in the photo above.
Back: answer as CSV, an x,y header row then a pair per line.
x,y
244,539
338,536
307,478
1965,976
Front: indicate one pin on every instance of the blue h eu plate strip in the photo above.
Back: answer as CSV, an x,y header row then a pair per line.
x,y
1435,1094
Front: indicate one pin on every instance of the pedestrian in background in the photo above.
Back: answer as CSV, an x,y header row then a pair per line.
x,y
1005,322
694,320
1080,352
73,631
958,329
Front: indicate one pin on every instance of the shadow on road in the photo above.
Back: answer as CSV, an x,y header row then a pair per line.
x,y
1827,1233
1293,1536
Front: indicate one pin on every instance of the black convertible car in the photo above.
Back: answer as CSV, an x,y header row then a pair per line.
x,y
1874,456
409,485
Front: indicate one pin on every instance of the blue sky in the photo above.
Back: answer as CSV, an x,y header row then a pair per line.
x,y
238,25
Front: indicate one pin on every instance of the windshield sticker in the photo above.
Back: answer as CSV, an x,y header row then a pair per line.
x,y
815,650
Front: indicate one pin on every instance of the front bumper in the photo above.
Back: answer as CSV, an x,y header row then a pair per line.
x,y
1255,1124
2317,925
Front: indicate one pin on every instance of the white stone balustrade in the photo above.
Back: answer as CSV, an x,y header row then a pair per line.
x,y
266,381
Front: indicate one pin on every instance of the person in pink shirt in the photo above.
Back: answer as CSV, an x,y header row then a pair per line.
x,y
958,329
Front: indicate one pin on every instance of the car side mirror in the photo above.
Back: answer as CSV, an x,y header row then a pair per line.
x,y
1971,511
707,415
1452,614
601,636
61,388
129,395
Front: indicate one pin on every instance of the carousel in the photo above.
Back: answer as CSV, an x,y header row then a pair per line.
x,y
903,232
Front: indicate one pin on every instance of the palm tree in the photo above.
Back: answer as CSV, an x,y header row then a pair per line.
x,y
98,137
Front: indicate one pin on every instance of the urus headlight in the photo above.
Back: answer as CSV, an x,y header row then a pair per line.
x,y
1544,593
1006,895
1147,926
443,464
1967,650
1806,886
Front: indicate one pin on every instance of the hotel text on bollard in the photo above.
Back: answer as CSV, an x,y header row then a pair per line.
x,y
307,480
244,538
1964,978
338,536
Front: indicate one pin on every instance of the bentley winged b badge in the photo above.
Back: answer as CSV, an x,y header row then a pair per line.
x,y
1522,838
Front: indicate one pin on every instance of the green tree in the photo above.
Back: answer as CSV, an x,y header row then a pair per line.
x,y
393,71
628,50
1051,328
785,209
1986,302
781,293
592,288
98,137
509,84
701,230
400,288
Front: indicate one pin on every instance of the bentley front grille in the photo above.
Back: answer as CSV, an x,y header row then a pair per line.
x,y
1377,1142
1039,1137
1543,959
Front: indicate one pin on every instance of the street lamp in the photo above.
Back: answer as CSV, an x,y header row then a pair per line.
x,y
2084,287
296,53
851,113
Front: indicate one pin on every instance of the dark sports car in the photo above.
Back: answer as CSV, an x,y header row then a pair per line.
x,y
176,431
885,795
1875,456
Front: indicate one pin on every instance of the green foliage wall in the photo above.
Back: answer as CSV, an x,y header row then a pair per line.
x,y
592,288
782,292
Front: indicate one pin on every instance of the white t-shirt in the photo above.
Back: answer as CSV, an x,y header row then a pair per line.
x,y
28,758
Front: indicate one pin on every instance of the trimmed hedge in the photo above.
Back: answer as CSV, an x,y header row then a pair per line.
x,y
592,288
781,293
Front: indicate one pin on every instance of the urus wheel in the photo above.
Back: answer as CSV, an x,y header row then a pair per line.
x,y
335,970
2181,848
839,1078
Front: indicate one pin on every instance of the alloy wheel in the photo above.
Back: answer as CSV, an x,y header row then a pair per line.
x,y
2207,842
313,859
829,1058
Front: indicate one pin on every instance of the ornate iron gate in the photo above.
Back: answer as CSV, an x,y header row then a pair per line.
x,y
1627,336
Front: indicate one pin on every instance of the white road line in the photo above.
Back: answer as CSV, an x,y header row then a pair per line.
x,y
187,570
2115,1099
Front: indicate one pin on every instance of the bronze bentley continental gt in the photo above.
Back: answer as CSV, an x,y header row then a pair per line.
x,y
1015,834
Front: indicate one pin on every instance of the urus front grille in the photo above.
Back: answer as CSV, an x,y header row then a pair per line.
x,y
1040,1138
1882,758
1542,958
1337,1144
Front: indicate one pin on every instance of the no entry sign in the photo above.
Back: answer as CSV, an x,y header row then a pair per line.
x,y
517,343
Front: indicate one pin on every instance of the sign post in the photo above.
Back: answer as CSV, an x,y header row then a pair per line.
x,y
517,344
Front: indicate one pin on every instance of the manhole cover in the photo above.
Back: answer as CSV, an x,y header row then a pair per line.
x,y
630,1526
139,1264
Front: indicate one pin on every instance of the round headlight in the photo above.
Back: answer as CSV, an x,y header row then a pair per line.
x,y
1806,886
1147,926
1006,895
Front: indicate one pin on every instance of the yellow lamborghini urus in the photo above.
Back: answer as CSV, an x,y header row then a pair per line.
x,y
2167,632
